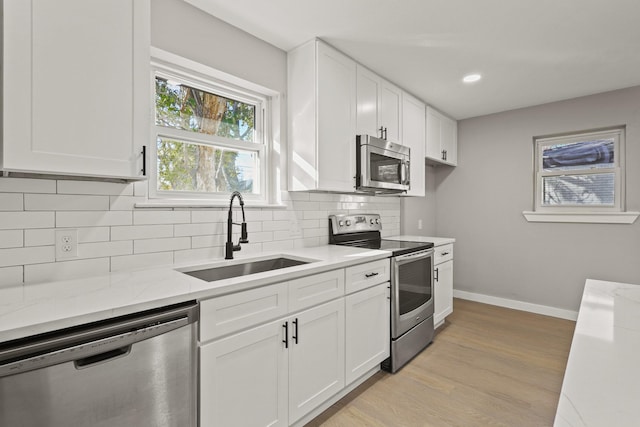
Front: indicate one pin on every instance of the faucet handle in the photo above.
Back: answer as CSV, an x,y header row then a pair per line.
x,y
244,238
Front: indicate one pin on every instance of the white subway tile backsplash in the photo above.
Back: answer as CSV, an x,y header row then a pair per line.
x,y
27,185
14,220
297,195
94,187
161,245
10,276
259,237
40,237
132,262
141,188
93,219
278,245
11,239
135,232
283,215
64,202
64,270
209,241
104,249
198,229
315,232
207,215
11,202
30,255
315,215
308,206
254,215
199,255
161,217
275,225
93,234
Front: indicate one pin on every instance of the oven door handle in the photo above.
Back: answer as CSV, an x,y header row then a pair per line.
x,y
414,256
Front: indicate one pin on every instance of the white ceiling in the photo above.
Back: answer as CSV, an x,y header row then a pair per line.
x,y
529,51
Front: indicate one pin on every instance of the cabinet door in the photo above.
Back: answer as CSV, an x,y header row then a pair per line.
x,y
434,123
443,298
367,330
243,379
316,357
413,136
449,140
336,139
390,112
76,86
368,97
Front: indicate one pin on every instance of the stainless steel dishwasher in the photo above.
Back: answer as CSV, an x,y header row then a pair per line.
x,y
136,370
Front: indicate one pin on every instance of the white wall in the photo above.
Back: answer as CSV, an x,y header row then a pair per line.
x,y
114,235
480,203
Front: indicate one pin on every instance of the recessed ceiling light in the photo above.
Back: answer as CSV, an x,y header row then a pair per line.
x,y
471,78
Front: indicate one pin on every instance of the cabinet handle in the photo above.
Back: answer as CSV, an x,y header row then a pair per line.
x,y
286,334
368,275
436,278
381,132
144,160
385,134
445,253
295,331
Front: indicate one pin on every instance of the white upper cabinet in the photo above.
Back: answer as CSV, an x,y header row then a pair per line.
x,y
379,109
442,138
75,87
413,136
322,118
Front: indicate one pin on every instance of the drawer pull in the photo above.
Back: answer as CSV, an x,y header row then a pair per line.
x,y
444,253
368,275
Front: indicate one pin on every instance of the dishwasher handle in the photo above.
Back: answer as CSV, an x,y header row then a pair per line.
x,y
93,352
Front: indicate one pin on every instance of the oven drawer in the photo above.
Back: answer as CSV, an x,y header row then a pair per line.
x,y
366,275
443,253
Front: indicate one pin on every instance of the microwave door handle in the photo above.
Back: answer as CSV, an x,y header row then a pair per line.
x,y
407,174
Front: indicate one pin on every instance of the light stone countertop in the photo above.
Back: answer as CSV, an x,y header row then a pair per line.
x,y
31,309
437,241
601,384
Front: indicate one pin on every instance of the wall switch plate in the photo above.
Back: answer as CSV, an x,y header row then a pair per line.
x,y
66,243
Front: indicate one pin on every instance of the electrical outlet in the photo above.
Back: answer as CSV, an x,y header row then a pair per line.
x,y
66,243
419,224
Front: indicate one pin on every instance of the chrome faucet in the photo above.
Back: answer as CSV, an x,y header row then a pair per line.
x,y
230,247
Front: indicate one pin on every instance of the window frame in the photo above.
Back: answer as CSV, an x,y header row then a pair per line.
x,y
540,143
227,88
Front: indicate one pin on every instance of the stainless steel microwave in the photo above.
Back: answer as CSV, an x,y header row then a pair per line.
x,y
381,166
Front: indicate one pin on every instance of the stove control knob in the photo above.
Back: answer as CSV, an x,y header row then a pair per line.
x,y
348,223
340,223
377,220
371,221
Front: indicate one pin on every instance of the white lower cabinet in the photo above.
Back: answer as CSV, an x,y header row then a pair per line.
x,y
243,379
262,366
367,330
316,357
443,283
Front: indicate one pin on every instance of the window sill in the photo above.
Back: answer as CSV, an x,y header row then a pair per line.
x,y
580,217
164,204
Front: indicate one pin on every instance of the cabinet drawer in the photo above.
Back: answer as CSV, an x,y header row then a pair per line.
x,y
316,289
366,275
443,253
226,314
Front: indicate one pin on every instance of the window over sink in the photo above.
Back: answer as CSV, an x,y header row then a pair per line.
x,y
211,136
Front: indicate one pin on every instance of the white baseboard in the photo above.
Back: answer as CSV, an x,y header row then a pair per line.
x,y
517,305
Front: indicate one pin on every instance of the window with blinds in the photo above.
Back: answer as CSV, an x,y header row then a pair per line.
x,y
581,172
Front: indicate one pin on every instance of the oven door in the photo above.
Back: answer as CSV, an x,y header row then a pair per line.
x,y
383,165
412,290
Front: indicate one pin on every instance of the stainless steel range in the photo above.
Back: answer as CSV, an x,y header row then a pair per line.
x,y
411,283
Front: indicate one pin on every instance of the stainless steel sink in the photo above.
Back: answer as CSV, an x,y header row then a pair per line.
x,y
244,269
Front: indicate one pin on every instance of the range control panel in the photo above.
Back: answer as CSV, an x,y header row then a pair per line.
x,y
341,224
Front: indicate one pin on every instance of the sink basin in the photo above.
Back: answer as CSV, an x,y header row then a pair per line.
x,y
243,269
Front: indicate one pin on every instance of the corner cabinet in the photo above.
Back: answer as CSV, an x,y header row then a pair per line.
x,y
442,139
322,118
280,350
76,87
443,283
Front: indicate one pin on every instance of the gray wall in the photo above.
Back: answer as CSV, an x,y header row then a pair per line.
x,y
480,203
421,209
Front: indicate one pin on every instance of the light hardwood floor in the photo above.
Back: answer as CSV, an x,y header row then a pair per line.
x,y
487,366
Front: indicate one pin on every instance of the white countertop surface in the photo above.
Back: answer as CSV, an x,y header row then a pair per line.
x,y
601,385
437,241
36,308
